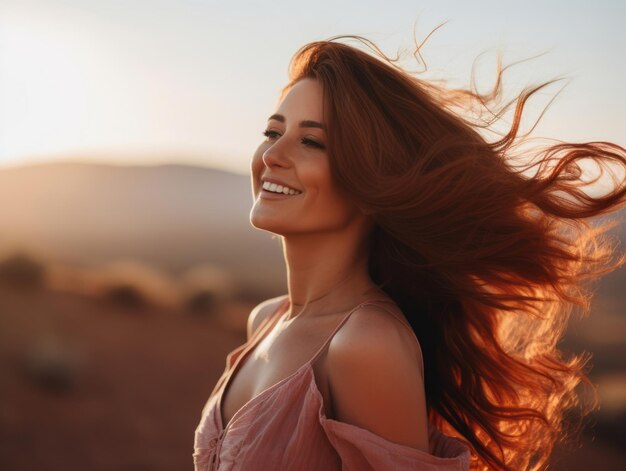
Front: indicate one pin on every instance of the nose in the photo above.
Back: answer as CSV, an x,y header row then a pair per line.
x,y
275,156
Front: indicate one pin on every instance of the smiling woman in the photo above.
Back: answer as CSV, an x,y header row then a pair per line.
x,y
429,281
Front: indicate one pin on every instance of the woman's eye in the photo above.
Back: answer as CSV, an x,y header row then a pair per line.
x,y
309,142
304,140
269,133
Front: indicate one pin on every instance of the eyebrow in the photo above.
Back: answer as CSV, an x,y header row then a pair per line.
x,y
307,123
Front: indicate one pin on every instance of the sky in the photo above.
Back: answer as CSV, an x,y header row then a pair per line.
x,y
181,81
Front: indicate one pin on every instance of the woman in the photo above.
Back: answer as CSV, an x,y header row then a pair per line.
x,y
429,280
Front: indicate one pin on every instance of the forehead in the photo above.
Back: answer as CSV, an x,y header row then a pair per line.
x,y
303,100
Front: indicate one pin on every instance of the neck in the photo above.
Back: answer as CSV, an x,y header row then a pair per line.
x,y
326,273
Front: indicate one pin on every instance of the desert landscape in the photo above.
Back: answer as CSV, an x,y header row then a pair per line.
x,y
123,288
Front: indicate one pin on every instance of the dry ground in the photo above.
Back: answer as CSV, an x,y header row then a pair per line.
x,y
133,397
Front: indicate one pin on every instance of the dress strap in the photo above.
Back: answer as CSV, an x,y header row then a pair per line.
x,y
341,323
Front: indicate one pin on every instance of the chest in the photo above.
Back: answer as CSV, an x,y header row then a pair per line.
x,y
279,355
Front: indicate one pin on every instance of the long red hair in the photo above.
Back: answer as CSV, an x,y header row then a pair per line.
x,y
486,251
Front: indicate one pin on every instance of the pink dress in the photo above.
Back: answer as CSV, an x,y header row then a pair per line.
x,y
285,428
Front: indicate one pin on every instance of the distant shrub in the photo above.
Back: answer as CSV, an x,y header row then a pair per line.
x,y
125,295
21,271
205,288
203,301
132,284
51,365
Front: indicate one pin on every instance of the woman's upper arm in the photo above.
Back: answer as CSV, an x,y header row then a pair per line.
x,y
376,380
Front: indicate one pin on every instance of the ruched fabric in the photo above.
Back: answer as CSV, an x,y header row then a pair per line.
x,y
285,428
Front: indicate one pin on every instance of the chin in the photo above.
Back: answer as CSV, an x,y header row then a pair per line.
x,y
264,224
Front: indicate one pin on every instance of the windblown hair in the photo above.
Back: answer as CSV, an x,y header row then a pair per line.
x,y
485,248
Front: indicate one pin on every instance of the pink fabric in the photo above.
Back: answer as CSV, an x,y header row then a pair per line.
x,y
285,427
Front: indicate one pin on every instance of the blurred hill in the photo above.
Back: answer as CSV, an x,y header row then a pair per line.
x,y
172,217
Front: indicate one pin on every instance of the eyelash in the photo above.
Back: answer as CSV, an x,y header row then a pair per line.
x,y
305,141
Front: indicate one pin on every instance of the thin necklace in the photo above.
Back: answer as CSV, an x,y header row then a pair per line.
x,y
320,297
325,294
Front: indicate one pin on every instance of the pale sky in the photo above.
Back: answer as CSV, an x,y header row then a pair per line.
x,y
156,81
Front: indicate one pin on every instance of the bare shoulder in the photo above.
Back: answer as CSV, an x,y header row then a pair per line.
x,y
375,378
381,331
261,311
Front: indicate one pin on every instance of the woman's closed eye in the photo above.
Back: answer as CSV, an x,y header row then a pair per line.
x,y
307,142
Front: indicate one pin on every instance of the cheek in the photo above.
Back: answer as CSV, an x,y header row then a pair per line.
x,y
330,199
336,197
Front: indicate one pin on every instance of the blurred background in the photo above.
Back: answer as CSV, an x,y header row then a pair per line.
x,y
127,262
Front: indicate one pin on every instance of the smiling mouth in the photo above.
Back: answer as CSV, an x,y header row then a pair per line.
x,y
275,195
271,187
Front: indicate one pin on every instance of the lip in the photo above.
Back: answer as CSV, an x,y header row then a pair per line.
x,y
276,196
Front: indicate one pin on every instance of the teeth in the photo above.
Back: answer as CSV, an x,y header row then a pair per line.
x,y
273,187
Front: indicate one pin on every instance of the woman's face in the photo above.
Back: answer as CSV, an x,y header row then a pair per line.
x,y
294,154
